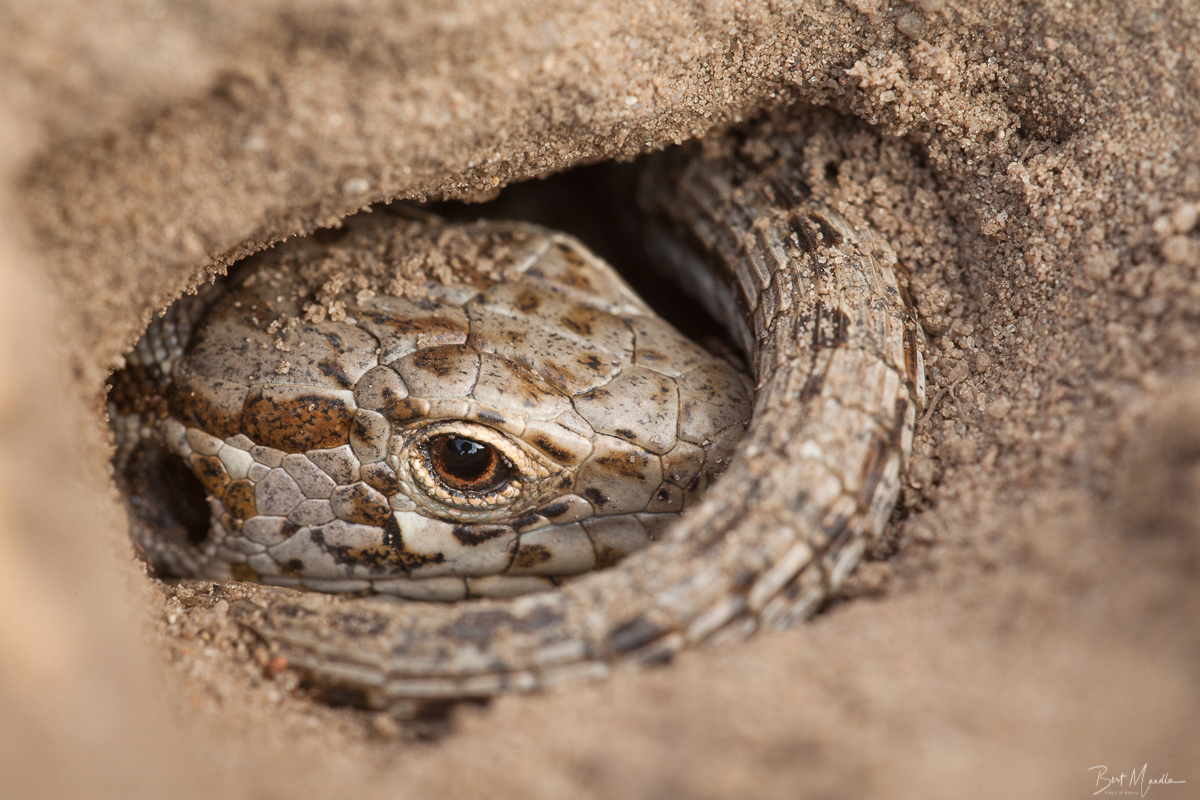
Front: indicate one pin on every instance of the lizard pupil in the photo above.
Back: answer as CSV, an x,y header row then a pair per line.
x,y
466,458
467,465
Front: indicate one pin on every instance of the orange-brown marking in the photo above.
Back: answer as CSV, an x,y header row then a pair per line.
x,y
211,404
211,473
239,499
442,361
359,503
623,465
296,418
379,476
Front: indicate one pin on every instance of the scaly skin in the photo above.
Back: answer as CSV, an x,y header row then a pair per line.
x,y
319,441
836,352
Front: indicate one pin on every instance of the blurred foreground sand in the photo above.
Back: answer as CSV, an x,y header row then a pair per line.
x,y
1037,168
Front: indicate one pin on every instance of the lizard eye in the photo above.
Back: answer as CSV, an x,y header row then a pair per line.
x,y
466,465
465,471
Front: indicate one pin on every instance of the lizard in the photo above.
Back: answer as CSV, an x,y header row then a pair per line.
x,y
447,504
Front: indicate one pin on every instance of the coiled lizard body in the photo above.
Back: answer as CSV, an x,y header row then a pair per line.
x,y
386,427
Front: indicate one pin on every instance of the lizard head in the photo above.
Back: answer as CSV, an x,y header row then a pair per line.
x,y
430,410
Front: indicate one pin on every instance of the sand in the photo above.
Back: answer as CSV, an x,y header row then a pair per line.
x,y
1031,615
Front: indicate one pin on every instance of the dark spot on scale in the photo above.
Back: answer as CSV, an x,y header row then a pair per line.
x,y
335,341
556,377
579,320
832,237
623,466
342,696
444,360
911,351
532,555
596,496
901,413
403,410
479,626
491,417
382,557
291,611
524,521
360,427
835,327
872,470
380,477
528,302
293,567
608,556
792,192
391,533
805,236
625,433
239,499
472,535
651,356
836,526
365,506
812,386
592,362
434,360
361,624
599,394
538,619
576,276
335,372
632,635
551,449
211,404
211,472
555,510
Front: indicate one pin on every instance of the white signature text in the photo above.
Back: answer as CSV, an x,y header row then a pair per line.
x,y
1133,782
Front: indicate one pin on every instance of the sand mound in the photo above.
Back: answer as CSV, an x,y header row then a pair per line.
x,y
1037,168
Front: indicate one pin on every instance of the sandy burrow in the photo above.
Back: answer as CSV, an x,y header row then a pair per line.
x,y
1032,614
